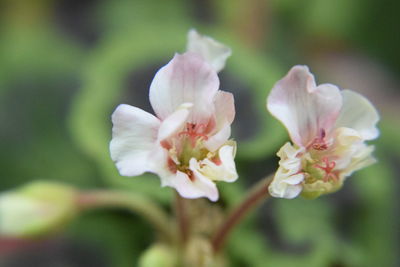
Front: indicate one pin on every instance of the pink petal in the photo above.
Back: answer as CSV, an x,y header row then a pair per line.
x,y
224,115
224,108
304,108
134,137
186,78
210,50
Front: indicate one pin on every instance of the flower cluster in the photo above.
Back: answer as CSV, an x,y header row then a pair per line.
x,y
187,143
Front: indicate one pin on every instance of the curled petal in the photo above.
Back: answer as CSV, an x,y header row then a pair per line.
x,y
186,78
216,141
304,108
284,186
212,51
288,178
134,137
359,114
199,187
225,170
288,158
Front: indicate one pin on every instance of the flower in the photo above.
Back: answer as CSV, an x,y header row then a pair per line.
x,y
328,127
187,143
36,209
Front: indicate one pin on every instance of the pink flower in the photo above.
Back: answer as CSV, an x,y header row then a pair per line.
x,y
328,127
187,143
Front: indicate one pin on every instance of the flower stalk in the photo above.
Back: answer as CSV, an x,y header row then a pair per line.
x,y
138,204
255,196
182,218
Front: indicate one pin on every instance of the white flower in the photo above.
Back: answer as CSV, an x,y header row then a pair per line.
x,y
187,143
328,127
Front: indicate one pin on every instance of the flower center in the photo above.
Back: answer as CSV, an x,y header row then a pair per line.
x,y
194,131
320,170
186,145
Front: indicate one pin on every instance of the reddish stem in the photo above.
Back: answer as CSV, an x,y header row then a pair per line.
x,y
254,197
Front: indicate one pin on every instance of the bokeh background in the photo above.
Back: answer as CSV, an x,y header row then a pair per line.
x,y
66,64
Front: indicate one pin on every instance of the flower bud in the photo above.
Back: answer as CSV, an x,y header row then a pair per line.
x,y
158,255
36,209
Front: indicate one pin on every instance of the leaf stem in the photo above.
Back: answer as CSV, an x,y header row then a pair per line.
x,y
256,195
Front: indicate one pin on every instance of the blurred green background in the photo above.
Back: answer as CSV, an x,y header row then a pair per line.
x,y
65,65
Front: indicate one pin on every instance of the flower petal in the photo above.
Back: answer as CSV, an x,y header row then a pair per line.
x,y
224,115
288,158
200,187
225,171
216,141
361,159
224,108
212,51
174,122
288,177
304,108
186,78
134,137
359,114
283,185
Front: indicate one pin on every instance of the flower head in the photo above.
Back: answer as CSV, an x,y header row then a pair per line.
x,y
187,143
328,128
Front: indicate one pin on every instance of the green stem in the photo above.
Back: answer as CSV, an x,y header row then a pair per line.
x,y
138,204
182,218
255,197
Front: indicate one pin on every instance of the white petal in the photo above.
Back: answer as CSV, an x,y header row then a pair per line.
x,y
289,162
200,187
225,171
304,108
186,78
359,114
294,179
216,141
174,122
134,137
282,189
212,51
361,159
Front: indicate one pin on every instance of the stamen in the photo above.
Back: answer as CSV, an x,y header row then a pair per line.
x,y
194,132
319,143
